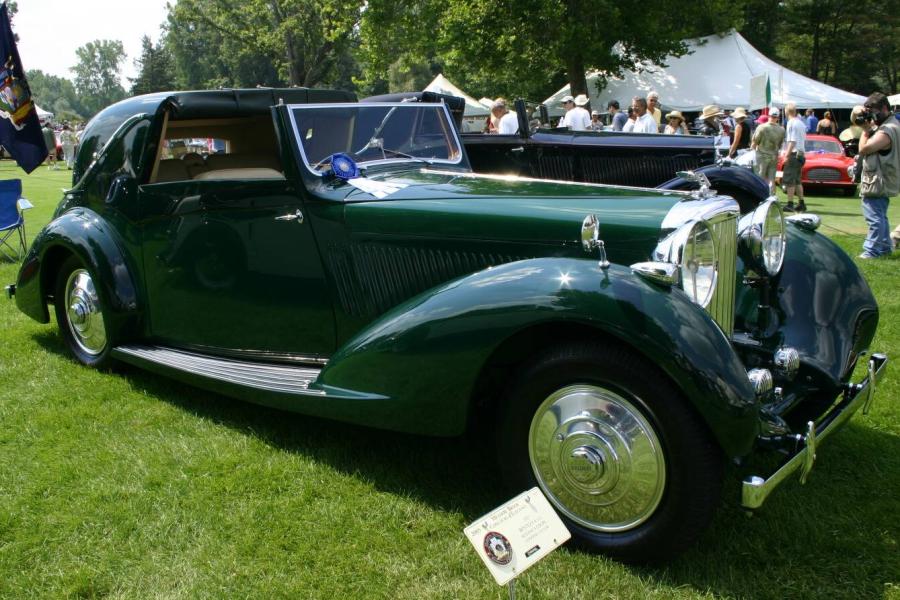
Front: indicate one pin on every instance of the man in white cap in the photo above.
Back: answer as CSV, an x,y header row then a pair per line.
x,y
767,140
577,118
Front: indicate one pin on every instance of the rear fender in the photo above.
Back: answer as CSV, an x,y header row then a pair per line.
x,y
427,353
83,233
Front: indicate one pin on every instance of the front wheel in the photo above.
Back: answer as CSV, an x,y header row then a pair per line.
x,y
79,314
615,448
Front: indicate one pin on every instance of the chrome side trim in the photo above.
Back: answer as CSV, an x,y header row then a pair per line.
x,y
756,489
269,377
519,178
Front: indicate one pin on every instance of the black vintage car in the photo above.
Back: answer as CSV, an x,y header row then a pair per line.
x,y
612,158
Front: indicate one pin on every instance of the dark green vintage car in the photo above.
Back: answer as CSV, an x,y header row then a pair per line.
x,y
619,345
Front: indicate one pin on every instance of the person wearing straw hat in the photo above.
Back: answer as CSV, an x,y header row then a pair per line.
x,y
577,118
675,124
741,138
709,120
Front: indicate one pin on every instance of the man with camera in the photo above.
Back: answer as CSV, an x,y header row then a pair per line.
x,y
879,151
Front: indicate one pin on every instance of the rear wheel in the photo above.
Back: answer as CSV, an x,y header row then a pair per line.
x,y
616,450
80,315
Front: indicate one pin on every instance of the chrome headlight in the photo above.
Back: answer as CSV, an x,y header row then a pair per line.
x,y
692,249
763,238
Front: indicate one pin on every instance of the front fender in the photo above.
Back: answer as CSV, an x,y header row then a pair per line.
x,y
748,188
427,353
85,234
821,305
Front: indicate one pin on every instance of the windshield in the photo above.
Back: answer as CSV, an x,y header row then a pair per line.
x,y
371,133
824,146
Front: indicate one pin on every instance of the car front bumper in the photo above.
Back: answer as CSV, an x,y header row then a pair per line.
x,y
756,489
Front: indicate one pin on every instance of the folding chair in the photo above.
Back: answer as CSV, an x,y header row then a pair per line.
x,y
12,221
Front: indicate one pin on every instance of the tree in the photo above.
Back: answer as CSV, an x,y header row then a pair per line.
x,y
156,69
55,94
263,42
97,74
529,47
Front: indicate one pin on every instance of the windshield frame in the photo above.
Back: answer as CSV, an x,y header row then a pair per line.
x,y
451,129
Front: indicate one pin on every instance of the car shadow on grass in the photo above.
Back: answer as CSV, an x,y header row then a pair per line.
x,y
835,536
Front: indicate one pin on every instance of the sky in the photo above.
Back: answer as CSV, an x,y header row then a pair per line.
x,y
51,30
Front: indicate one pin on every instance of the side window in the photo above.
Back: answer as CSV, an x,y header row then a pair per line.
x,y
198,150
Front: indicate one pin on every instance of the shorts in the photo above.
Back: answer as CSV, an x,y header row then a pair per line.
x,y
766,166
792,167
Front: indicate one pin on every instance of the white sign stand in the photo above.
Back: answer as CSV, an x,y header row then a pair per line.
x,y
516,535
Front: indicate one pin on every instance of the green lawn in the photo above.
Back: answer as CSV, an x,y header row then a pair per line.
x,y
127,485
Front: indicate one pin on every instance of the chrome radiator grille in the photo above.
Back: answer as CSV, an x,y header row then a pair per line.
x,y
823,174
721,307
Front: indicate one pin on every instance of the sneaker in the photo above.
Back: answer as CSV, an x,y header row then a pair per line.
x,y
866,256
801,207
789,208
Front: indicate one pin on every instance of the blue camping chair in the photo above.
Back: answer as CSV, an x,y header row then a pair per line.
x,y
12,223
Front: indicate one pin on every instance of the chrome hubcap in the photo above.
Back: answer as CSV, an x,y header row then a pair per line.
x,y
84,315
597,458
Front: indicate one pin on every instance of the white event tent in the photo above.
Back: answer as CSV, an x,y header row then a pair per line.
x,y
717,71
442,85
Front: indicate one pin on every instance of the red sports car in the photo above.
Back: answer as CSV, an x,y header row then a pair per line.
x,y
826,165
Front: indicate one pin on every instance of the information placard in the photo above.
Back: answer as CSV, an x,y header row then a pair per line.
x,y
514,536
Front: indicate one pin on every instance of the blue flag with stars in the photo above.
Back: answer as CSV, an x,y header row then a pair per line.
x,y
20,129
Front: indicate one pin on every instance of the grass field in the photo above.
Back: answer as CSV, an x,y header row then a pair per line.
x,y
126,485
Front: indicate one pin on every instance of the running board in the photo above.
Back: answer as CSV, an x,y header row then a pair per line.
x,y
212,371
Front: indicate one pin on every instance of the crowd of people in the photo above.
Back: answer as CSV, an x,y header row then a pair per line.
x,y
62,137
873,133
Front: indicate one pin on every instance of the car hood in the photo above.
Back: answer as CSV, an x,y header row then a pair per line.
x,y
545,216
830,159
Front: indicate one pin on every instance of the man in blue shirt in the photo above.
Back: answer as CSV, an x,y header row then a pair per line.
x,y
811,121
619,118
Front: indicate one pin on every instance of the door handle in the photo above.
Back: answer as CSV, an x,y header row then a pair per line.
x,y
295,216
518,149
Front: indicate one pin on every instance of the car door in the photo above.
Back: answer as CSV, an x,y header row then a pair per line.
x,y
232,265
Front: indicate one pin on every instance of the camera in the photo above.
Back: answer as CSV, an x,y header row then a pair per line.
x,y
861,118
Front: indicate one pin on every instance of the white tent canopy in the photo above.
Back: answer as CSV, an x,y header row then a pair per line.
x,y
894,100
718,71
41,113
442,85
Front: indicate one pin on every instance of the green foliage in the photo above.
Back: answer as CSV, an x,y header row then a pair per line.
x,y
97,74
528,47
156,69
262,42
55,94
853,46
